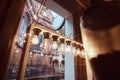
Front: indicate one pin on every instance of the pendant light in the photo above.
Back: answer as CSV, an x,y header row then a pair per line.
x,y
54,44
74,49
46,45
68,47
35,39
82,52
61,48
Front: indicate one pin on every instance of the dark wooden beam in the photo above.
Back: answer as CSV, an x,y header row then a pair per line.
x,y
96,2
10,15
82,3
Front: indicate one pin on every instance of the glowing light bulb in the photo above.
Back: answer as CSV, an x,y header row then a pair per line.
x,y
25,34
30,53
54,45
68,47
30,34
45,45
24,41
74,51
61,48
82,54
41,54
35,40
50,55
78,51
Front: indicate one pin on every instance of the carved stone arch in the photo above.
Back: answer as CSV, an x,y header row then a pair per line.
x,y
62,62
62,65
56,64
55,61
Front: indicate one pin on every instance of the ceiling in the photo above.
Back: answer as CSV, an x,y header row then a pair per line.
x,y
57,8
65,8
68,7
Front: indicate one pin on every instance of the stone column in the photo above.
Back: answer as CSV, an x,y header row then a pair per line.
x,y
69,67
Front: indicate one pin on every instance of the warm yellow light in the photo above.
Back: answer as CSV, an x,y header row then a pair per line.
x,y
82,54
46,45
30,34
61,48
30,53
41,54
25,34
74,51
24,41
54,45
78,51
50,56
35,40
